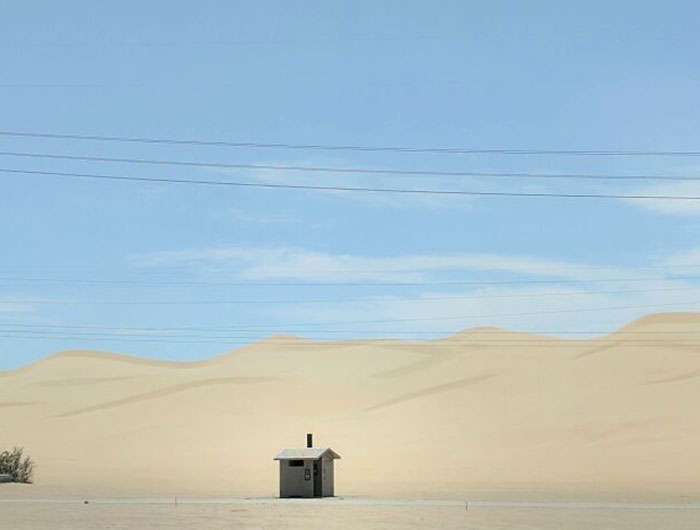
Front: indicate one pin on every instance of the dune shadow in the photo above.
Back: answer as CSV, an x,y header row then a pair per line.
x,y
675,378
417,366
76,381
146,396
445,387
597,349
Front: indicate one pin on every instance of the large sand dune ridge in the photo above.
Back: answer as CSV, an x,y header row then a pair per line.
x,y
485,408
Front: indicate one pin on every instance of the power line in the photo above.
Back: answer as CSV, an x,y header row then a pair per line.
x,y
128,329
300,301
288,327
385,283
235,42
60,332
330,147
475,316
556,342
451,338
567,268
345,170
473,338
326,342
306,187
107,339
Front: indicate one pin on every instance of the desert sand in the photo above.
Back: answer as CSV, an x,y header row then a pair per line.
x,y
486,414
336,514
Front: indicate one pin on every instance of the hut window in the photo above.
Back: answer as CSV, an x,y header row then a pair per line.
x,y
296,463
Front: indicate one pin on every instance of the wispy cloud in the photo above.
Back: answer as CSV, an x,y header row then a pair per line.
x,y
16,305
560,310
599,298
359,180
305,264
246,216
687,262
676,207
265,218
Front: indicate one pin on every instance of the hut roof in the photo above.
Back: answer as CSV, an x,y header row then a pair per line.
x,y
308,453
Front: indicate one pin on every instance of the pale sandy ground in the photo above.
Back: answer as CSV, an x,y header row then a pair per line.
x,y
337,514
486,414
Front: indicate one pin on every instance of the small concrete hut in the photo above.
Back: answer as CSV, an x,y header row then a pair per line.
x,y
307,472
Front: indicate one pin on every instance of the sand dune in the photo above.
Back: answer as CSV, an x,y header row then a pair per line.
x,y
483,409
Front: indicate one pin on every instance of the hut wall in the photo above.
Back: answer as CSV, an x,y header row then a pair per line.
x,y
327,470
292,483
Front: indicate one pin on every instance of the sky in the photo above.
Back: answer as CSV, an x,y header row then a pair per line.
x,y
186,271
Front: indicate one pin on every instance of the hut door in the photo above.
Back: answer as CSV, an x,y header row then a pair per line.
x,y
318,486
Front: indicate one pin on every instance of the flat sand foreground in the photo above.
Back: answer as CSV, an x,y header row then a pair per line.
x,y
337,514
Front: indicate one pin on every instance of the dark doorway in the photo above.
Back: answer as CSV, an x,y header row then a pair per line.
x,y
318,486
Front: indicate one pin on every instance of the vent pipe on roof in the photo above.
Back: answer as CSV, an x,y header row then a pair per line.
x,y
309,440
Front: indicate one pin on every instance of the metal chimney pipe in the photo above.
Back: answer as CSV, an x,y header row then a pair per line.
x,y
309,440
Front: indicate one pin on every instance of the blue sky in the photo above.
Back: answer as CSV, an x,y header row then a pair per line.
x,y
206,263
